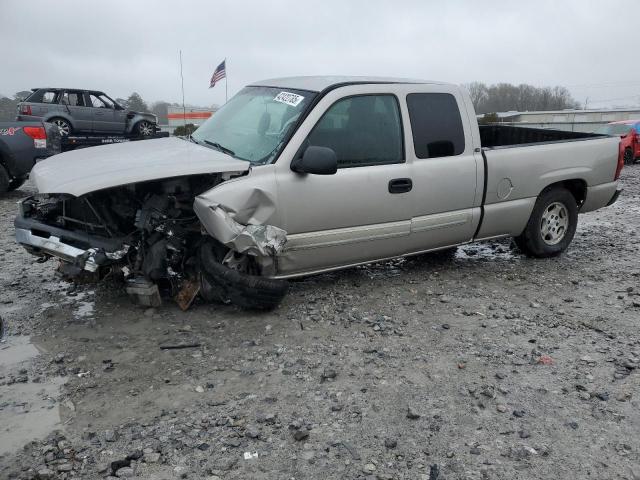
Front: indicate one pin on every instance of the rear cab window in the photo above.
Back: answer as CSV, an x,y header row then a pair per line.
x,y
436,125
362,130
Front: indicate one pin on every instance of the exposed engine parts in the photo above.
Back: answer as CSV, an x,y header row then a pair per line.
x,y
148,233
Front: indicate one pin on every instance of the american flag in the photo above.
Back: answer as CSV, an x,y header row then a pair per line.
x,y
219,74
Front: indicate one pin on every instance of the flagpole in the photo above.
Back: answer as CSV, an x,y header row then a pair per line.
x,y
184,111
226,82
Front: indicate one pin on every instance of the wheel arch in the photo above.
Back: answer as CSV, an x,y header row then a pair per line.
x,y
64,116
576,186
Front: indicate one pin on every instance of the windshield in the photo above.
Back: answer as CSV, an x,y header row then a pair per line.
x,y
615,129
254,124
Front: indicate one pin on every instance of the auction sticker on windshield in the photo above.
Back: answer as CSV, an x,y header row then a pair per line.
x,y
289,98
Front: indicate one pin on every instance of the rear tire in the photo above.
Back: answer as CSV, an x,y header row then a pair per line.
x,y
63,125
628,156
15,184
551,226
226,285
5,181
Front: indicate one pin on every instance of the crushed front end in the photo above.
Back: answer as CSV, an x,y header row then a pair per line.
x,y
146,233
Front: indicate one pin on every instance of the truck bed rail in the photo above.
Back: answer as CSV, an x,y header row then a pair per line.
x,y
496,136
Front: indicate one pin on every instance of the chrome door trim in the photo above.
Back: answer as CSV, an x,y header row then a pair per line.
x,y
346,236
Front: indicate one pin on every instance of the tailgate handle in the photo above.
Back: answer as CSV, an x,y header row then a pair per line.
x,y
400,185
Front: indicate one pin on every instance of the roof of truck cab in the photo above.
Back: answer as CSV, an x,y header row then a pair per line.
x,y
320,83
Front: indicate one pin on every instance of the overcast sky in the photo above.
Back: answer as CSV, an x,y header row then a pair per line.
x,y
121,46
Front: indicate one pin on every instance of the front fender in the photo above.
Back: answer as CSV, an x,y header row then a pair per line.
x,y
137,118
242,213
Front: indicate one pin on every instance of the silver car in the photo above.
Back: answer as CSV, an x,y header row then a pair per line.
x,y
297,176
84,111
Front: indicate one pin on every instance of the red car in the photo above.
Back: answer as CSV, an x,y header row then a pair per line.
x,y
629,133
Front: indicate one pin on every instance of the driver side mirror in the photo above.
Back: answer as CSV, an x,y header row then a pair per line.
x,y
317,161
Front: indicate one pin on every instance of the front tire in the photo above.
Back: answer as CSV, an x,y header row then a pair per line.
x,y
63,125
551,226
144,128
223,284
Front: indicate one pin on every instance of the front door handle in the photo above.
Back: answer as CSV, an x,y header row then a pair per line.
x,y
400,185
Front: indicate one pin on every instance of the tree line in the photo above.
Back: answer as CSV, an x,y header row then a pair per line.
x,y
505,97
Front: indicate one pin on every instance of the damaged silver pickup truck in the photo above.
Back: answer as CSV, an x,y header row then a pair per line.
x,y
298,176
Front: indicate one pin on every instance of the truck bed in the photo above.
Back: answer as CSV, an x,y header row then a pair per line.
x,y
499,136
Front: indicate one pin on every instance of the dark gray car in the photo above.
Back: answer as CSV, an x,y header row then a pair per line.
x,y
21,144
84,111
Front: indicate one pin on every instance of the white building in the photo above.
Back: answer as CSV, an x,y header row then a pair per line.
x,y
571,120
178,117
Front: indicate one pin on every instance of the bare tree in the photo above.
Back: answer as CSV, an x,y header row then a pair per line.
x,y
505,97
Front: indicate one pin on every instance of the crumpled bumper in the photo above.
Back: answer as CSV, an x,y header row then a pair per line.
x,y
55,247
78,249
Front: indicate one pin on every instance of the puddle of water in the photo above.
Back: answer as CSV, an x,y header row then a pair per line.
x,y
391,268
15,350
84,304
488,250
27,410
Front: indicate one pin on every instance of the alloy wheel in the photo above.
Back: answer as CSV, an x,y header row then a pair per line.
x,y
145,129
63,126
554,223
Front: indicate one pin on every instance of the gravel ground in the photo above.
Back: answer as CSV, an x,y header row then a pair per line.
x,y
482,365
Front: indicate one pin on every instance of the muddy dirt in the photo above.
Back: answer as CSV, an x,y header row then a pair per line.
x,y
479,365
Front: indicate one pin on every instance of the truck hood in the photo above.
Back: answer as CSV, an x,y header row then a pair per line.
x,y
89,169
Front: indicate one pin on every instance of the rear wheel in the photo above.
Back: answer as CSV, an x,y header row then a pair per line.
x,y
5,181
63,125
239,284
15,184
144,128
628,156
551,226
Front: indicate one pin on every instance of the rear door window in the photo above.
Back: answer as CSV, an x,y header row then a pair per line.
x,y
362,130
73,99
436,125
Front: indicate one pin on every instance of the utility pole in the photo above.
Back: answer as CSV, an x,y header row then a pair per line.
x,y
184,111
